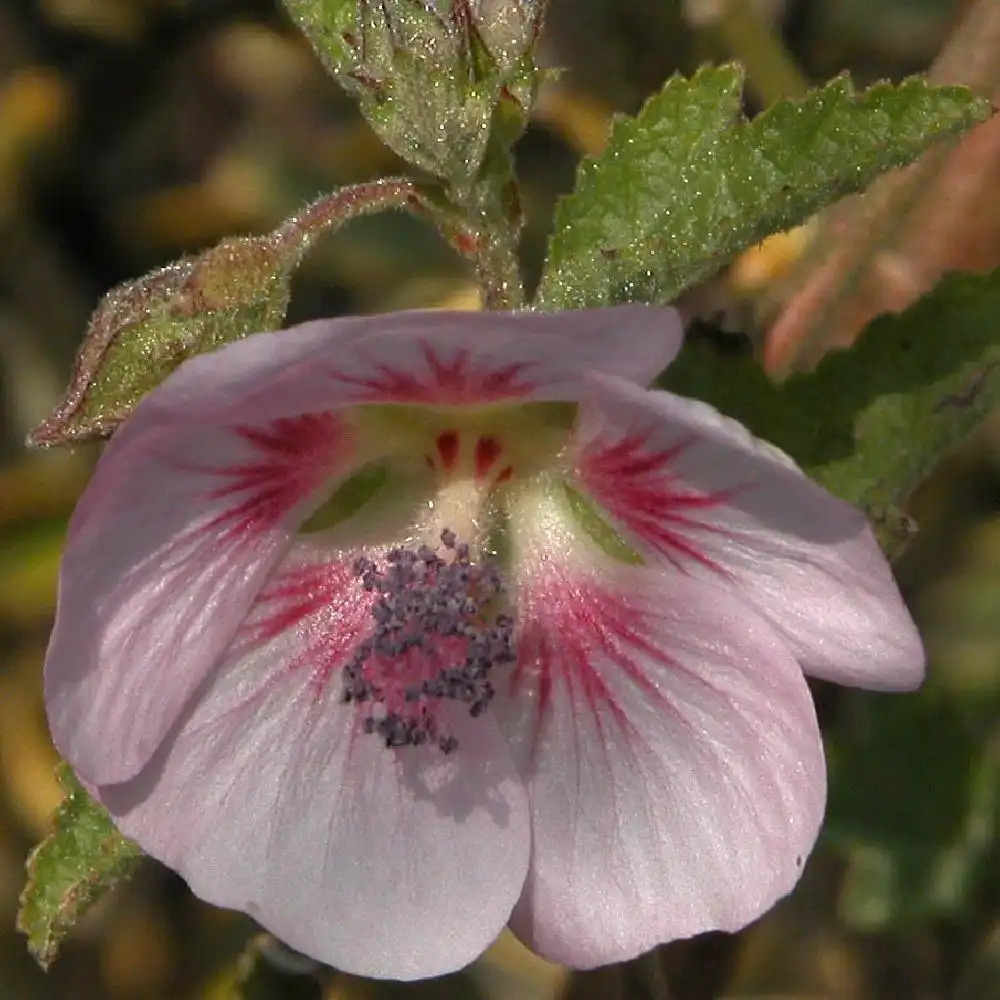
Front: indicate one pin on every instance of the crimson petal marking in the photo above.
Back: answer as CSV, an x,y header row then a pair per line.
x,y
564,625
291,458
448,449
673,762
458,380
488,450
165,556
322,600
805,560
634,482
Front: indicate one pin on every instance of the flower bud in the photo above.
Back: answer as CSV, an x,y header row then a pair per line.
x,y
434,77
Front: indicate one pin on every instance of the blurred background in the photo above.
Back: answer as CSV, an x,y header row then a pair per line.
x,y
135,131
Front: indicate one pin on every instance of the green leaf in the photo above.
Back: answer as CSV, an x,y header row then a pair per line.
x,y
688,183
83,858
144,329
328,24
914,807
871,423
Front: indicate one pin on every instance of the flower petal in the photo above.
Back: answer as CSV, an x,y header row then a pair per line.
x,y
194,499
270,799
427,356
671,753
698,494
166,551
473,358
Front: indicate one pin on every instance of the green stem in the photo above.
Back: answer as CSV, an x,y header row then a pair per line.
x,y
492,206
498,269
493,223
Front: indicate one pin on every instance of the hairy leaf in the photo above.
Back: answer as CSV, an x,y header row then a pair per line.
x,y
328,24
78,862
688,183
872,422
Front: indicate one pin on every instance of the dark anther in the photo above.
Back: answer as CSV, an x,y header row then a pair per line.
x,y
421,599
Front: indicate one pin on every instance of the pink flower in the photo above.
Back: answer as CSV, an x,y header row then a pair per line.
x,y
391,630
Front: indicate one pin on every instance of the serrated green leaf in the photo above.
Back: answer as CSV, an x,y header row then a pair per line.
x,y
871,423
83,858
688,183
144,329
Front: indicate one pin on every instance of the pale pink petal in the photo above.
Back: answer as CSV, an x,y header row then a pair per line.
x,y
671,753
195,497
166,551
697,494
430,356
268,798
471,358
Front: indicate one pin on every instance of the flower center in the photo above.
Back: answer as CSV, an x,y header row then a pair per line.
x,y
435,640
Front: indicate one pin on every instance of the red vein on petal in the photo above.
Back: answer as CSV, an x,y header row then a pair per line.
x,y
580,636
564,626
290,458
455,381
488,450
447,448
634,483
323,604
